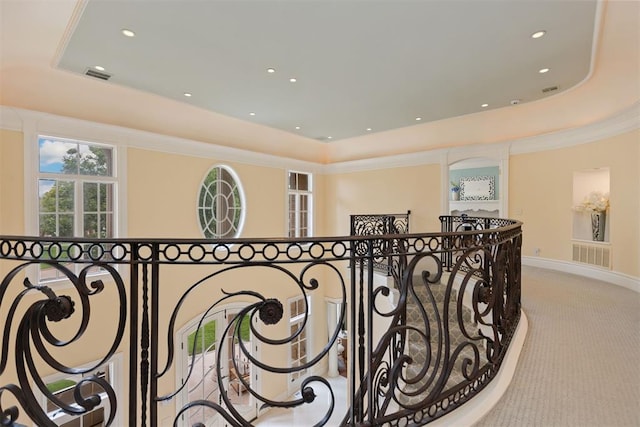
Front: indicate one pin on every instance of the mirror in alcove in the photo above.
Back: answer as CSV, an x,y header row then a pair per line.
x,y
481,176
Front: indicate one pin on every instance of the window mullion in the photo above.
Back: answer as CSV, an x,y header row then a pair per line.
x,y
297,215
79,208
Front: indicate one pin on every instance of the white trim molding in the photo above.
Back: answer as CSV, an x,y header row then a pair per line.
x,y
625,121
613,277
66,127
72,128
480,405
387,162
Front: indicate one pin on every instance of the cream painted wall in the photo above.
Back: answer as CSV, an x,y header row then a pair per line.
x,y
11,182
11,185
162,191
162,197
164,186
396,190
540,195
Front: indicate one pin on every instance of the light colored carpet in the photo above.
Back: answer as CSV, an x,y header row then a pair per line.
x,y
580,365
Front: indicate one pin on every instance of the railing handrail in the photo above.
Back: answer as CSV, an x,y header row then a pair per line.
x,y
487,258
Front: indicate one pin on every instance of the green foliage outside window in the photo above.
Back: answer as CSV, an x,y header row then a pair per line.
x,y
207,336
57,196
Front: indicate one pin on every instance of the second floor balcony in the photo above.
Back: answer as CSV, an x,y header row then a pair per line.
x,y
199,332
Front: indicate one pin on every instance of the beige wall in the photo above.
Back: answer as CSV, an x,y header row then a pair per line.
x,y
540,195
161,199
11,182
382,191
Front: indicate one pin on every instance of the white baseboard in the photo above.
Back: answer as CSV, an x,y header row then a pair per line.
x,y
478,406
615,278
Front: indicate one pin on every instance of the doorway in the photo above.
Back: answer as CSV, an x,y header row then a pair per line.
x,y
205,379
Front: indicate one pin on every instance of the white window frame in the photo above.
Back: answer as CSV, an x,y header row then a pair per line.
x,y
32,175
297,196
296,378
243,201
79,180
115,374
183,357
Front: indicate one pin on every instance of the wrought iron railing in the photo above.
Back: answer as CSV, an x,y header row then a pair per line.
x,y
370,225
418,347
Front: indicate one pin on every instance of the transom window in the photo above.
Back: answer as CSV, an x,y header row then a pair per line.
x,y
76,192
300,205
221,204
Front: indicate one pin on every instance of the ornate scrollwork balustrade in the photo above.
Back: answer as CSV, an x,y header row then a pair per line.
x,y
420,345
371,225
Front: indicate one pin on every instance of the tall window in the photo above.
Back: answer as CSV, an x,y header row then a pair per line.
x,y
300,205
76,191
298,308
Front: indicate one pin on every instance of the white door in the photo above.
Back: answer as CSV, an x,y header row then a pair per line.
x,y
200,352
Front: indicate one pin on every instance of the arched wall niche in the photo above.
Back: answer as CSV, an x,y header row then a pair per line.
x,y
482,179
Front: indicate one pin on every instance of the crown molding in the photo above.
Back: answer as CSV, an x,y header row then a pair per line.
x,y
72,128
388,162
625,121
18,119
10,119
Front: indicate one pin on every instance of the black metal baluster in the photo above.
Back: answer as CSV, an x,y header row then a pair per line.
x,y
371,392
133,331
155,297
351,330
361,332
144,345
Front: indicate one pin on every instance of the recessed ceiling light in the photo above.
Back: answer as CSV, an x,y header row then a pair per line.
x,y
543,70
329,137
271,70
484,105
293,80
418,119
297,127
368,129
99,68
187,94
538,34
128,33
252,113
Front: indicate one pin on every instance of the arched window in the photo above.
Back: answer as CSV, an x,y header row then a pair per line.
x,y
221,204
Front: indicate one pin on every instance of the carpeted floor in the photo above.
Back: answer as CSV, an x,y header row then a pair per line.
x,y
580,365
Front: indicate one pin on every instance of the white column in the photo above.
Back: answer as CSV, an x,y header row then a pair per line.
x,y
332,323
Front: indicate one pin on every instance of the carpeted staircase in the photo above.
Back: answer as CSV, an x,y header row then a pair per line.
x,y
417,349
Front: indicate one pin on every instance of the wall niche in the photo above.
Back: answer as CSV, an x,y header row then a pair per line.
x,y
479,185
590,190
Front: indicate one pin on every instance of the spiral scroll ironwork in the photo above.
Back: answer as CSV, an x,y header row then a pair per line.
x,y
430,317
35,340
